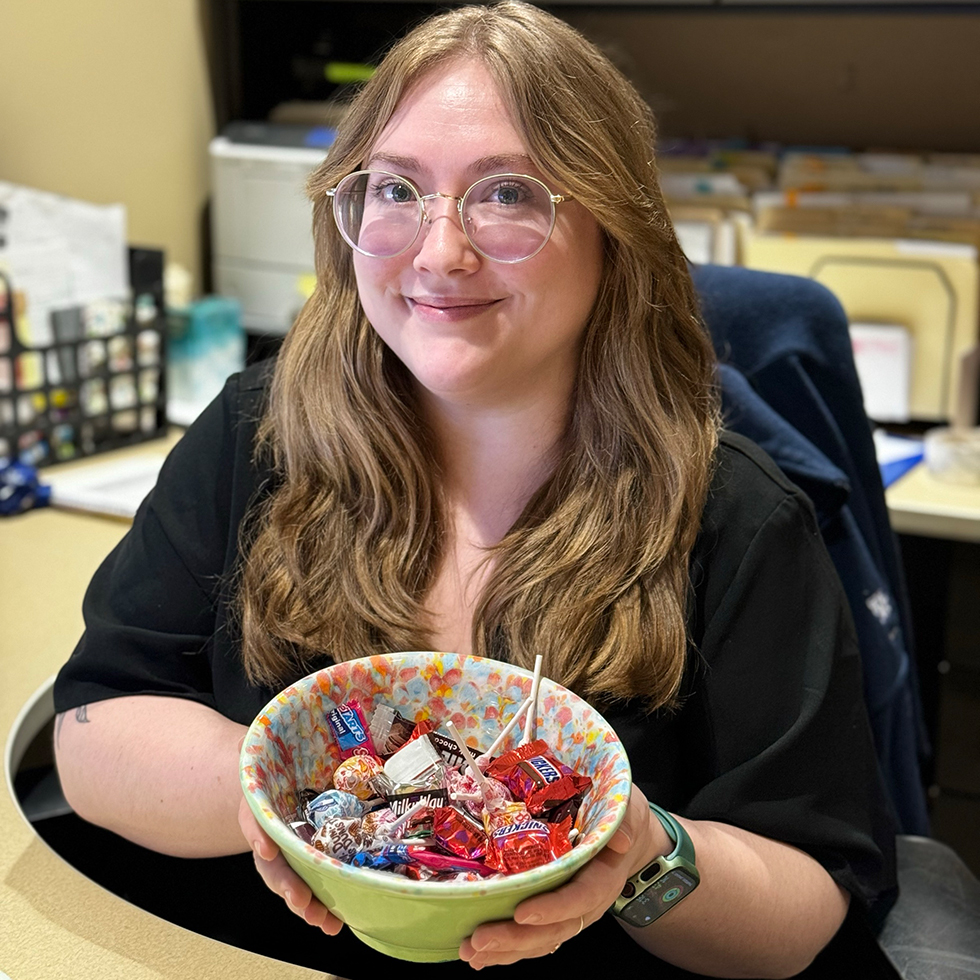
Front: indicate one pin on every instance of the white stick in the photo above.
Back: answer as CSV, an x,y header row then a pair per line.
x,y
468,756
531,717
508,728
405,817
461,796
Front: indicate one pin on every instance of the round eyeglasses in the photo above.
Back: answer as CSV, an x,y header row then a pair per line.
x,y
506,217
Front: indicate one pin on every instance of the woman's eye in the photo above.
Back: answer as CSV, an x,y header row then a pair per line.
x,y
393,192
508,194
399,193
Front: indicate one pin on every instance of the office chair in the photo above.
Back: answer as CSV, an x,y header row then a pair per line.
x,y
788,382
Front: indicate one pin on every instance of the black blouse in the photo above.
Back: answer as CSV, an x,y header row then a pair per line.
x,y
771,734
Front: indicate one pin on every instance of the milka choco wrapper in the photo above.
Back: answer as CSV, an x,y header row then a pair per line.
x,y
534,775
350,729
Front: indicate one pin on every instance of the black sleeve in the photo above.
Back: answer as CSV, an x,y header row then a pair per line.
x,y
779,699
151,608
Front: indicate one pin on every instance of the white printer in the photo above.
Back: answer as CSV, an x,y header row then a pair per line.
x,y
262,243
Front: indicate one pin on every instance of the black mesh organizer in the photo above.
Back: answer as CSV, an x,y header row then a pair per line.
x,y
100,384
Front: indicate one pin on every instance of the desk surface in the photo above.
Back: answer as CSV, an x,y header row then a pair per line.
x,y
918,503
55,923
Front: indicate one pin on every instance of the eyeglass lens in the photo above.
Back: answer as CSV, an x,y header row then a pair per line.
x,y
506,217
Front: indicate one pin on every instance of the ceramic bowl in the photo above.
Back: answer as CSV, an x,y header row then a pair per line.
x,y
289,748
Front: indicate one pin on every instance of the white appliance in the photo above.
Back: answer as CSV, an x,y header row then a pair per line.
x,y
261,229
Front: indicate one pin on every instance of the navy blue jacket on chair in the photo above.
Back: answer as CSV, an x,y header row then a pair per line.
x,y
788,382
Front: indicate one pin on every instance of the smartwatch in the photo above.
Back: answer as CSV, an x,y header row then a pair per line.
x,y
664,882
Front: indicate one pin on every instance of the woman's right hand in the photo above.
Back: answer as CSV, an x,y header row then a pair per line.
x,y
281,878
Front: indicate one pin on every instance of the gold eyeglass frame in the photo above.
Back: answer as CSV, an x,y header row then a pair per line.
x,y
421,198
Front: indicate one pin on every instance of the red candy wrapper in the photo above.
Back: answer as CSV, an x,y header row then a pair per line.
x,y
458,832
534,775
529,844
422,728
350,729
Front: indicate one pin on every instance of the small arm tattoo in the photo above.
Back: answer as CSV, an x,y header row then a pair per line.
x,y
81,716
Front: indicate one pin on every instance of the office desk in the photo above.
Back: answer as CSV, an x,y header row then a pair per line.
x,y
920,504
54,923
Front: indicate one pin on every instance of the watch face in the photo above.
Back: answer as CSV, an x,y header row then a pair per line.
x,y
662,895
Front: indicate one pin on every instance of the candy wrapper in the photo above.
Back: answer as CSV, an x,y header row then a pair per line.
x,y
333,803
413,854
355,775
458,832
350,729
417,762
389,730
534,775
342,838
521,846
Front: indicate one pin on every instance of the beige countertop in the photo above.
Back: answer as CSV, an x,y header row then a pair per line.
x,y
54,923
918,503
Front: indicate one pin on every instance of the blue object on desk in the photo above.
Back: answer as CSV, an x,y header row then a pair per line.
x,y
896,455
21,488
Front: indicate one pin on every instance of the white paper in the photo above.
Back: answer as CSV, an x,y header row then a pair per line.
x,y
115,487
61,253
883,358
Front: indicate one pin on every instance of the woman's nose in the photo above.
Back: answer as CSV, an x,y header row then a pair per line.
x,y
445,247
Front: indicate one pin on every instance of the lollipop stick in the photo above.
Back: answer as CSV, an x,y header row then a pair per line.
x,y
531,717
405,817
468,756
508,728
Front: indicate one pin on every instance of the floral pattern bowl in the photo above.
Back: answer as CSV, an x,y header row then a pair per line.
x,y
289,747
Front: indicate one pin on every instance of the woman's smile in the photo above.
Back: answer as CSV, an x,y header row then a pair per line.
x,y
447,309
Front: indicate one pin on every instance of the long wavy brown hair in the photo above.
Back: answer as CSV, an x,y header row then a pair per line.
x,y
594,573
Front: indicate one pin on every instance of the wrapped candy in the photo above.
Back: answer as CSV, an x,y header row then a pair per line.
x,y
354,776
333,803
389,730
414,854
416,762
342,838
458,832
350,729
517,847
534,775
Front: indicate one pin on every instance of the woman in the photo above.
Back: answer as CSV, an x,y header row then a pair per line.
x,y
493,429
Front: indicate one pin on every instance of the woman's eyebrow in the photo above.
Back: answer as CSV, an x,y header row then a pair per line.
x,y
502,163
399,163
492,164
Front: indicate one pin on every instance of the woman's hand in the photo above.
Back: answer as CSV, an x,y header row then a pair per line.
x,y
543,923
281,878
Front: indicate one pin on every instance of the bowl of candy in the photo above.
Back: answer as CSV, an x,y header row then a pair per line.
x,y
420,794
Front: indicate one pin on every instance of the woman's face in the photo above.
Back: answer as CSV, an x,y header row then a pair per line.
x,y
474,332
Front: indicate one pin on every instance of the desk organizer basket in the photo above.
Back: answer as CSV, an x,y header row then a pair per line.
x,y
101,383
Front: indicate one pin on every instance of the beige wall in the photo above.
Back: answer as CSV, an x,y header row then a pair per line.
x,y
108,101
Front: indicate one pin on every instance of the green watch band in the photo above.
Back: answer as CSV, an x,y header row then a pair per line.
x,y
664,882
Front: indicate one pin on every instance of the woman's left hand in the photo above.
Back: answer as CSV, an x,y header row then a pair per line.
x,y
541,924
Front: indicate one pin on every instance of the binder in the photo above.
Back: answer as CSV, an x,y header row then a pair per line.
x,y
929,287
